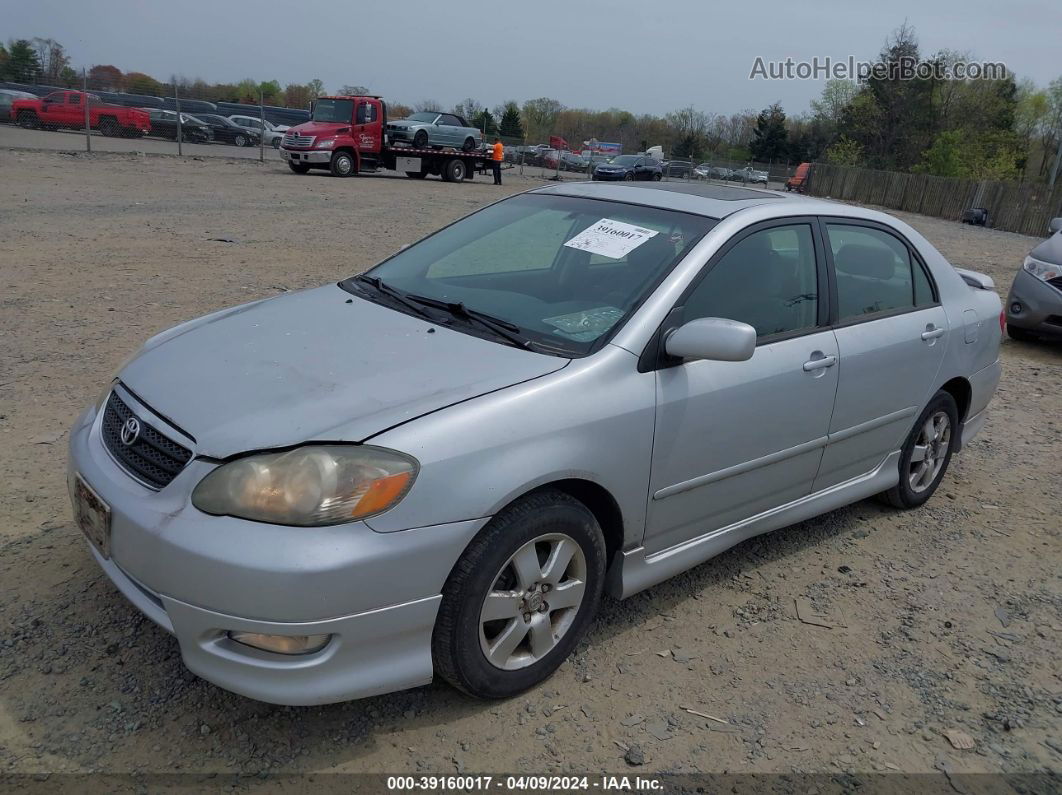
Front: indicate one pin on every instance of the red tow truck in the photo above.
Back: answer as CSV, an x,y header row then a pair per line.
x,y
348,135
67,109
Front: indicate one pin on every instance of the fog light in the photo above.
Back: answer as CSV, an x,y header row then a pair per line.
x,y
1015,307
282,644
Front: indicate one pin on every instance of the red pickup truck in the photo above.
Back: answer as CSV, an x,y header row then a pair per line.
x,y
67,109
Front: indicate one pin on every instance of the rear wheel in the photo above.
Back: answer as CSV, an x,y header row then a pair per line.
x,y
454,170
109,127
28,119
469,144
520,597
926,453
299,168
420,140
342,164
1020,334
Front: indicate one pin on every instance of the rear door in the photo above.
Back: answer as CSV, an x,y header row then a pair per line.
x,y
735,439
891,335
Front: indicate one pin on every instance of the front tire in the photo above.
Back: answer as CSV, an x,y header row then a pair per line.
x,y
420,140
926,453
1019,334
520,597
299,168
628,177
28,120
240,140
276,143
342,165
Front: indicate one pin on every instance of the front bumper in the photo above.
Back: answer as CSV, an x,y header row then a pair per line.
x,y
605,176
1039,305
311,156
200,577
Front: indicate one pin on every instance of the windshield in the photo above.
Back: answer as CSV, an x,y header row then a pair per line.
x,y
624,160
428,116
334,110
563,271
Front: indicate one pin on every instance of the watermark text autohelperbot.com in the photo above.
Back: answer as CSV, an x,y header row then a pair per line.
x,y
904,68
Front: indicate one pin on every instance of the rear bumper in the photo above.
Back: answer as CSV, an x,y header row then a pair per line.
x,y
312,157
1034,305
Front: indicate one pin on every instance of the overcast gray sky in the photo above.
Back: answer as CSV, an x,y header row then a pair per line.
x,y
646,57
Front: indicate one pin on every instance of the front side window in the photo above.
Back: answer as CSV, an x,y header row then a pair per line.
x,y
366,113
566,271
768,280
875,273
333,110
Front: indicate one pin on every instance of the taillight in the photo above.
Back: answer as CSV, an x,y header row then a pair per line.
x,y
1002,320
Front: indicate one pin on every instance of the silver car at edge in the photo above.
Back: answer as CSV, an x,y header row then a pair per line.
x,y
438,467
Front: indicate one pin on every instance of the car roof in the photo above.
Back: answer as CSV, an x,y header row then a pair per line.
x,y
712,201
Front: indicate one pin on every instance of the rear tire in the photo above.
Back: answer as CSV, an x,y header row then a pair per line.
x,y
109,127
926,453
469,650
455,170
1019,334
342,165
469,144
299,168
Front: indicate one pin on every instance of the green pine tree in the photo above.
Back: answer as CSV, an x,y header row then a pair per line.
x,y
511,125
22,64
770,137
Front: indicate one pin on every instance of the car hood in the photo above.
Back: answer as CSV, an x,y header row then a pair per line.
x,y
1050,250
317,128
317,365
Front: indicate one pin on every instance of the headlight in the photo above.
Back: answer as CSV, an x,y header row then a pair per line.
x,y
1042,270
327,143
309,486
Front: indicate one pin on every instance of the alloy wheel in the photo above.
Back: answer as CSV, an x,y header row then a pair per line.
x,y
533,601
930,452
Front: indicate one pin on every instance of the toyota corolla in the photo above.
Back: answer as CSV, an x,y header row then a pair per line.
x,y
439,466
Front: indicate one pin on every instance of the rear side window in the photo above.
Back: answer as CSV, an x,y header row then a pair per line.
x,y
875,273
75,99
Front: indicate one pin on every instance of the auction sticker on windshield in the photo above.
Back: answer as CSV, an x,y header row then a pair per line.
x,y
612,239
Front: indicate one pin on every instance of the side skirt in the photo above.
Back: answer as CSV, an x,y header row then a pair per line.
x,y
635,571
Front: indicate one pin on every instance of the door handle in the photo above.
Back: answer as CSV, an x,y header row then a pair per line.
x,y
932,333
819,364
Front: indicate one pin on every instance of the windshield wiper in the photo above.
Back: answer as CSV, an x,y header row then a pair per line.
x,y
397,295
501,328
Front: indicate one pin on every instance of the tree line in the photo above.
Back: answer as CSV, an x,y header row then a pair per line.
x,y
1000,128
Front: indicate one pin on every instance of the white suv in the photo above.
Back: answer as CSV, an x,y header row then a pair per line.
x,y
272,134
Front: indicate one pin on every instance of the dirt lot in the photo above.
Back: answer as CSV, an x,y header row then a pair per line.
x,y
947,617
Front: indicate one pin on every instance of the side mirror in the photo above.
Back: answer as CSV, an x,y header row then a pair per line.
x,y
1054,226
713,338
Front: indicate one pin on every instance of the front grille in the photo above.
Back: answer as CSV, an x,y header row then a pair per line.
x,y
294,139
153,457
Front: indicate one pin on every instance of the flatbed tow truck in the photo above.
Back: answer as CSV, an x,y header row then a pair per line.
x,y
347,135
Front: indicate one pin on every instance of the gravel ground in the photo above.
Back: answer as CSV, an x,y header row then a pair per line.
x,y
944,618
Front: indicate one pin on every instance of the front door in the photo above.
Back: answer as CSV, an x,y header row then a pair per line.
x,y
734,439
891,334
367,128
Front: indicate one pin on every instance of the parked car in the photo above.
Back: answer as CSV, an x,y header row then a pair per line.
x,y
629,168
572,161
7,96
681,169
66,109
226,131
721,172
749,174
455,498
431,128
274,133
799,180
164,125
703,171
1034,305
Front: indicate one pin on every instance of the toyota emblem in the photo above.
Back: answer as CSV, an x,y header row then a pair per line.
x,y
130,431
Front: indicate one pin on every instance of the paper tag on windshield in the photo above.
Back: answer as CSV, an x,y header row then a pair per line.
x,y
612,239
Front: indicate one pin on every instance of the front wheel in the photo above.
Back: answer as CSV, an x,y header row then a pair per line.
x,y
420,140
276,143
342,164
28,120
299,168
240,140
628,177
521,596
656,176
926,453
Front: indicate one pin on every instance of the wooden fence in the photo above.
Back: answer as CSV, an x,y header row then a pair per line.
x,y
1023,207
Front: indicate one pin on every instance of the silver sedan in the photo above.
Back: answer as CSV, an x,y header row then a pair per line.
x,y
438,467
